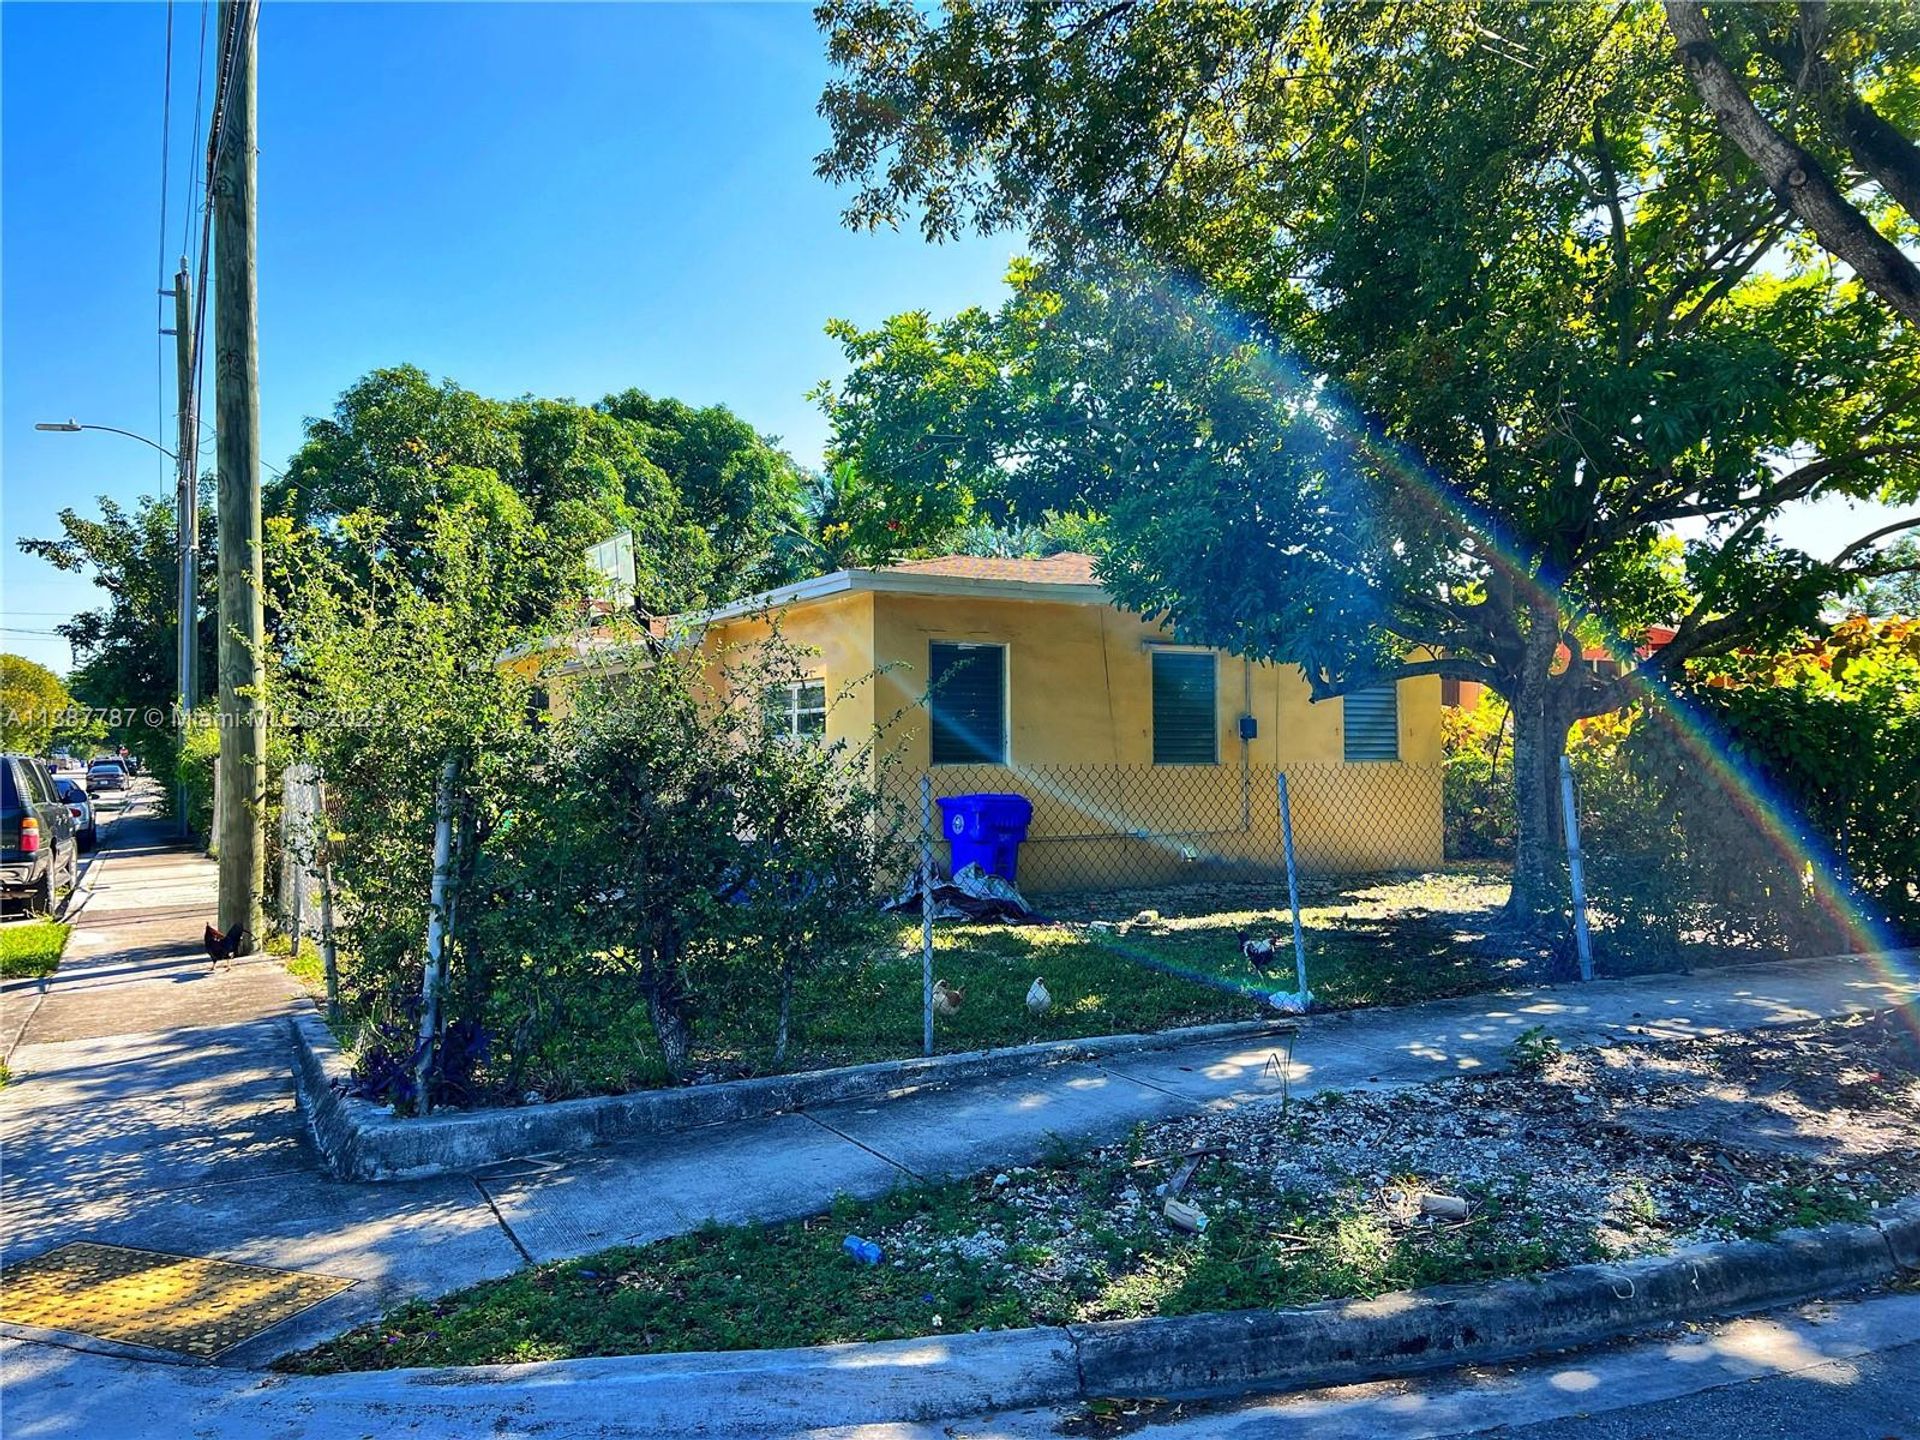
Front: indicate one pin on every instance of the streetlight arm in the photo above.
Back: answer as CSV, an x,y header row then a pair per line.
x,y
72,427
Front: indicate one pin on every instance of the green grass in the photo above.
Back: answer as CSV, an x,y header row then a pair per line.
x,y
744,1287
870,1011
309,967
31,949
866,1006
1381,940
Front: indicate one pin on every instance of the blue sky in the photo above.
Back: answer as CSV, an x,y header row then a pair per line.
x,y
555,199
549,199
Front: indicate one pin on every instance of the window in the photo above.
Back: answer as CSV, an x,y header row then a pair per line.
x,y
1186,725
969,703
1373,724
798,710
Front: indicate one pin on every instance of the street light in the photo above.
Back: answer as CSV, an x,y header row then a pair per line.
x,y
73,427
187,527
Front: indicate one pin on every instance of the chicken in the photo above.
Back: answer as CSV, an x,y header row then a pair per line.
x,y
1038,1000
1261,954
947,998
225,947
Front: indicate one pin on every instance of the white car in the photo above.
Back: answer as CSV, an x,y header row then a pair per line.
x,y
86,829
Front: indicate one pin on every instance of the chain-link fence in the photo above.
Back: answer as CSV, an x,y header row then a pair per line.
x,y
1112,827
300,897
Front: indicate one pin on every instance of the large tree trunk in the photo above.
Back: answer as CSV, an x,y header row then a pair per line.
x,y
1541,721
666,1007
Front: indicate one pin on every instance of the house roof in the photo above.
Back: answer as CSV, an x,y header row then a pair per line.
x,y
1069,567
1064,578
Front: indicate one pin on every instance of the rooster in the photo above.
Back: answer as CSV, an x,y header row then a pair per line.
x,y
947,998
225,947
1038,1000
1262,954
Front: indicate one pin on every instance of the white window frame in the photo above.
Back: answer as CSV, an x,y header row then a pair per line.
x,y
1005,648
784,708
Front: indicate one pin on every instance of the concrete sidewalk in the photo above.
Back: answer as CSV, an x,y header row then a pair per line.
x,y
154,1108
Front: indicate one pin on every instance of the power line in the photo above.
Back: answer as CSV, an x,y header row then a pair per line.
x,y
160,270
199,93
240,15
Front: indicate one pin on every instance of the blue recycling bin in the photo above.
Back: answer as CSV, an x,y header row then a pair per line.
x,y
986,830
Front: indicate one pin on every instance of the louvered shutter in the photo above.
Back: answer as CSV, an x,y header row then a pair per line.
x,y
969,703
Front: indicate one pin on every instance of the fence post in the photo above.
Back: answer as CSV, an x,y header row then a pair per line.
x,y
1574,871
1293,888
293,852
327,952
926,914
436,972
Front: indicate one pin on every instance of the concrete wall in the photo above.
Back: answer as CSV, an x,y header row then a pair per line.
x,y
835,638
1080,716
1080,745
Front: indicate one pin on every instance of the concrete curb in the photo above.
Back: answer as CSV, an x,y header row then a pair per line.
x,y
360,1140
780,1391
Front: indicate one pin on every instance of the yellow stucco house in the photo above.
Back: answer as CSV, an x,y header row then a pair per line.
x,y
1146,760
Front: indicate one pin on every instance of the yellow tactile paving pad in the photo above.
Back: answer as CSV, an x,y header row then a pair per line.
x,y
144,1297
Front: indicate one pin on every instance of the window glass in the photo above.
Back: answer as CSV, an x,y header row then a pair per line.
x,y
798,709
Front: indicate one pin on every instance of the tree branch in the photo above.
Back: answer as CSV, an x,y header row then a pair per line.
x,y
1912,522
1876,146
1790,172
1451,667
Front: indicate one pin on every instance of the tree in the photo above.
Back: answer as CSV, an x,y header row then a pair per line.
x,y
1898,592
34,705
126,650
703,494
1388,341
403,448
736,485
1798,114
720,859
383,682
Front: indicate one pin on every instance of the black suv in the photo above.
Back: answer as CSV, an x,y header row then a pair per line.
x,y
39,852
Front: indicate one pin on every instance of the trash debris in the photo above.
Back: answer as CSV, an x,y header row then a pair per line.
x,y
1291,1002
864,1252
1188,1165
1444,1207
947,998
972,895
1184,1216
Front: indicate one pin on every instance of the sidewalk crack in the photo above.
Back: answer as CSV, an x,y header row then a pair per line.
x,y
886,1159
501,1220
1079,1362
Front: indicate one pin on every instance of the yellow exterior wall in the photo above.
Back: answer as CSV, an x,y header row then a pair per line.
x,y
1080,703
835,637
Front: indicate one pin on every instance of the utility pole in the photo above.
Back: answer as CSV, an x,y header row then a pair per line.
x,y
187,520
243,729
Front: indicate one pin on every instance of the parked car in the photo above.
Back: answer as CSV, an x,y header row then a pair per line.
x,y
107,774
38,852
79,805
65,760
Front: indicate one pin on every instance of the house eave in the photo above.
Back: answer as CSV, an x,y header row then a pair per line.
x,y
824,587
898,582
